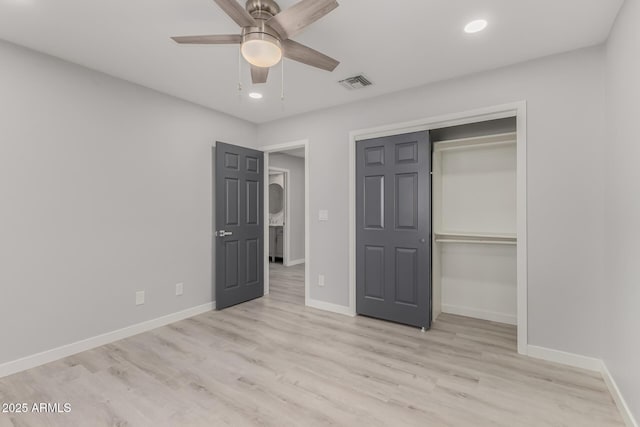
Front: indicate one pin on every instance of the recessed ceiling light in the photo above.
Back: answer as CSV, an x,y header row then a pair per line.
x,y
475,26
255,95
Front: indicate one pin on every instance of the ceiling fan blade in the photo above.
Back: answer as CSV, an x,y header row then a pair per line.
x,y
237,13
291,21
216,39
306,55
259,74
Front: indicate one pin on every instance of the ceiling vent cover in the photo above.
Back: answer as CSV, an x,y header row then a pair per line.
x,y
355,82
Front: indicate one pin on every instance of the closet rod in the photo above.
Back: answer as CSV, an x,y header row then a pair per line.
x,y
486,242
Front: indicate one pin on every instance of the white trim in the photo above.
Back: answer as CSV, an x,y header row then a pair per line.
x,y
291,263
52,355
570,359
482,114
521,226
625,411
286,246
492,316
327,306
517,109
304,143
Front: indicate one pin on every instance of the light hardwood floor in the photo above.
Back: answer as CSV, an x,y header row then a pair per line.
x,y
274,362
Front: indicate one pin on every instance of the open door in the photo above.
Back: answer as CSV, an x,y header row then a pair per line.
x,y
239,232
393,237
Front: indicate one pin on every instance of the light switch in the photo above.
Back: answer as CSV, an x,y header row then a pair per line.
x,y
323,215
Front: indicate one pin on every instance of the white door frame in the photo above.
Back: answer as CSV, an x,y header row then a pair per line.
x,y
286,255
274,149
515,109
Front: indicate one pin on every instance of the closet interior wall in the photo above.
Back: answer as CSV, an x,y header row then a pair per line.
x,y
474,221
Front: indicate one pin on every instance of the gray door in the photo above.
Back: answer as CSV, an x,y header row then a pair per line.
x,y
239,205
393,237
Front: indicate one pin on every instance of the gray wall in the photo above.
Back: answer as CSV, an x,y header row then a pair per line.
x,y
621,287
105,189
296,192
565,101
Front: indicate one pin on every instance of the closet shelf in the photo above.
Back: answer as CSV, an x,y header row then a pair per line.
x,y
470,237
475,142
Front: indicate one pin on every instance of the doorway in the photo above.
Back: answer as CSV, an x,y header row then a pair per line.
x,y
286,220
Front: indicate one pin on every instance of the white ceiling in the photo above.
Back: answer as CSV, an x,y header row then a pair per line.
x,y
398,44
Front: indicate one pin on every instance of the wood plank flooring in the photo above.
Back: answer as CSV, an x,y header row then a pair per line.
x,y
274,362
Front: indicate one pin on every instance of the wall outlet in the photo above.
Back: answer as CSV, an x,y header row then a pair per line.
x,y
179,288
139,297
321,280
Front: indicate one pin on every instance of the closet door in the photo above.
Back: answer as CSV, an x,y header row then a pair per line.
x,y
393,237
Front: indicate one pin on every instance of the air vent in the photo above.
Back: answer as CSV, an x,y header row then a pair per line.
x,y
355,82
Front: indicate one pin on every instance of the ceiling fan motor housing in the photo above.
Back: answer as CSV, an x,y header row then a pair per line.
x,y
262,9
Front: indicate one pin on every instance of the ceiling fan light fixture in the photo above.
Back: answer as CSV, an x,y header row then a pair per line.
x,y
261,49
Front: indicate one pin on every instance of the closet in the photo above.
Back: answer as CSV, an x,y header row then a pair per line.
x,y
474,221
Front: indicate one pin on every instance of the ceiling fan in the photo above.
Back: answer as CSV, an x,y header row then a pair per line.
x,y
267,31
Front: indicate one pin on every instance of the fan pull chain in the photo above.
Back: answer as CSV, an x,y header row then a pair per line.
x,y
239,75
282,84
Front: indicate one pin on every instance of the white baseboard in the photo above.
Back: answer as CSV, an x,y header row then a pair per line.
x,y
480,314
52,355
327,306
569,359
625,412
293,262
591,364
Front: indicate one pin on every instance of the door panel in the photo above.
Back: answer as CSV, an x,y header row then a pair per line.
x,y
393,237
239,206
232,200
231,264
406,197
374,272
374,202
253,202
406,264
253,258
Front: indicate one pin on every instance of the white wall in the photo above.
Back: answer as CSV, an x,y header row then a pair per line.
x,y
295,165
105,189
621,287
565,101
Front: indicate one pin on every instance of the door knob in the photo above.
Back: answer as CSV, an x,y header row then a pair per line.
x,y
423,241
223,233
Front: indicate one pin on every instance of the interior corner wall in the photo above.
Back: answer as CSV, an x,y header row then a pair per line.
x,y
105,189
565,126
621,287
295,165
